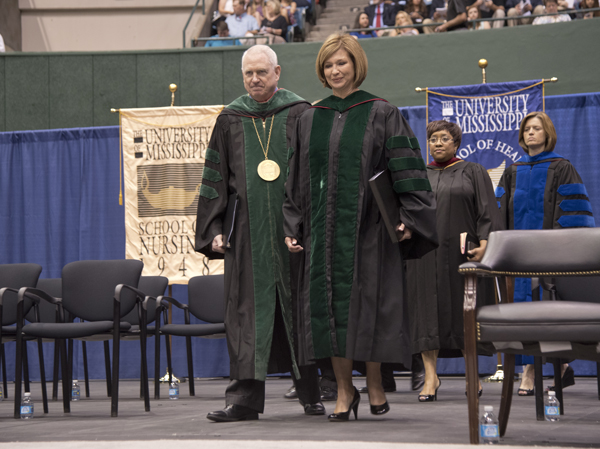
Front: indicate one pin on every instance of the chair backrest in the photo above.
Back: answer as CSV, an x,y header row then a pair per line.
x,y
206,298
52,286
15,276
549,252
88,287
154,286
579,289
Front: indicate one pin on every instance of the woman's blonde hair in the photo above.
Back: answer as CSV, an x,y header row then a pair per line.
x,y
548,127
276,6
355,51
405,15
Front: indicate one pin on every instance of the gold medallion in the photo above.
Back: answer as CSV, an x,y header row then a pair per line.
x,y
268,170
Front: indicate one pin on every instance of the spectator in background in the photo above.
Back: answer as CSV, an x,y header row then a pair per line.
x,y
222,31
381,14
551,8
520,7
472,14
274,23
491,9
288,9
403,19
588,4
417,10
456,17
437,13
362,22
257,10
240,23
225,7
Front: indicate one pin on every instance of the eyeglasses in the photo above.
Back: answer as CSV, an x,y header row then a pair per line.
x,y
444,140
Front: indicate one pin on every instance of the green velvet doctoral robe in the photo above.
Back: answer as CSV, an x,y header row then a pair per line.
x,y
257,265
352,300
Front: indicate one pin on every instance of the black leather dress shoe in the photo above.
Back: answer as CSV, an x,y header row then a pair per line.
x,y
291,393
313,409
328,394
233,413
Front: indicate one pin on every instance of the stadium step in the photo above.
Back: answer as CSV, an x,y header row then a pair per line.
x,y
338,14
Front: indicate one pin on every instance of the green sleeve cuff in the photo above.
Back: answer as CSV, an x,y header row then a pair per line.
x,y
406,163
412,184
402,142
211,175
208,192
213,156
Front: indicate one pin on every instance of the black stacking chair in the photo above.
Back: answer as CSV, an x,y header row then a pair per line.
x,y
12,278
207,303
153,287
99,292
558,329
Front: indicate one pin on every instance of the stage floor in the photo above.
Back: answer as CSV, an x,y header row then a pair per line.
x,y
284,425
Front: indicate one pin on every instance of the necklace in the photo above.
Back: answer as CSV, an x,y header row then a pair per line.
x,y
267,169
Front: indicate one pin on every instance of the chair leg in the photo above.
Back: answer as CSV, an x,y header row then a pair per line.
x,y
66,384
144,371
107,368
114,397
188,345
70,364
26,367
43,375
558,387
169,364
18,376
471,368
55,372
157,366
5,383
539,389
507,392
86,373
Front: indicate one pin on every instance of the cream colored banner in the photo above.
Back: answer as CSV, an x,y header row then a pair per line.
x,y
163,160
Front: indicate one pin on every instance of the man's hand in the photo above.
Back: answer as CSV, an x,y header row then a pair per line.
x,y
476,254
293,245
217,244
403,233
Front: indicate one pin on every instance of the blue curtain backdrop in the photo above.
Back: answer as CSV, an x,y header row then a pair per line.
x,y
59,204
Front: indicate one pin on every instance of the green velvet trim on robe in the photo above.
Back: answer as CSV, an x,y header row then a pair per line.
x,y
406,163
211,175
342,104
319,165
270,262
208,192
213,156
280,98
402,142
412,184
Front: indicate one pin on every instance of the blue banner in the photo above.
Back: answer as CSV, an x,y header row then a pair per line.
x,y
489,116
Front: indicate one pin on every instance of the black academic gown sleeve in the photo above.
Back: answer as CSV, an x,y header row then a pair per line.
x,y
211,211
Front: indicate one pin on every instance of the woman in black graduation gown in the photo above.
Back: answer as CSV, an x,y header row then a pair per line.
x,y
465,203
352,301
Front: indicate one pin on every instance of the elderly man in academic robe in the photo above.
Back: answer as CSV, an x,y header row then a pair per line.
x,y
246,162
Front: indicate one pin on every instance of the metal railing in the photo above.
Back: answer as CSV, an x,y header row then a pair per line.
x,y
190,18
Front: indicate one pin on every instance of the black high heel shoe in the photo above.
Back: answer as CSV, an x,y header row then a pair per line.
x,y
345,416
380,409
567,379
480,392
430,397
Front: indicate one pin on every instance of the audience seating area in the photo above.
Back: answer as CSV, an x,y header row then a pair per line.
x,y
314,20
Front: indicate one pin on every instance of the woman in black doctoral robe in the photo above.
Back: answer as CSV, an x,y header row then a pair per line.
x,y
465,203
352,299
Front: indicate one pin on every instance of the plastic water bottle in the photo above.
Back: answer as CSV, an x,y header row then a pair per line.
x,y
75,391
551,407
174,390
27,407
488,427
